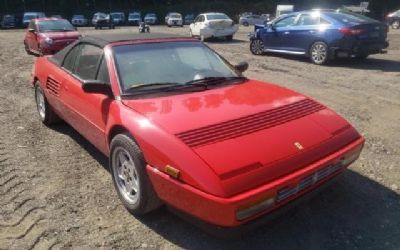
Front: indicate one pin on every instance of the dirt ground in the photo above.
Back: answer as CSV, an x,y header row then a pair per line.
x,y
56,192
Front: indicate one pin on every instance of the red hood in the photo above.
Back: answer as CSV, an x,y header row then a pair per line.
x,y
179,113
61,35
255,131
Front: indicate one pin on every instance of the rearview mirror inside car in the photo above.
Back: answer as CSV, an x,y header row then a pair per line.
x,y
96,87
242,66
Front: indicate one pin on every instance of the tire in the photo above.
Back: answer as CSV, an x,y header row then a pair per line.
x,y
45,111
128,169
229,38
319,54
245,24
396,25
257,47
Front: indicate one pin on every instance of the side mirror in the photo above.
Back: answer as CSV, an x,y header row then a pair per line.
x,y
31,30
272,26
96,87
242,66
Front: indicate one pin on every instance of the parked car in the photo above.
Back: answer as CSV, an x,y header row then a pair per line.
x,y
150,18
253,20
393,19
209,25
118,18
8,21
321,36
28,16
134,18
49,35
79,20
281,144
57,16
174,19
101,20
189,18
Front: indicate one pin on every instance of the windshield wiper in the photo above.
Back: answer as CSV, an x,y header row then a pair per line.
x,y
145,86
208,81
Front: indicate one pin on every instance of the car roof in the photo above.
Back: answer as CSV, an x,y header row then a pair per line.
x,y
48,19
106,39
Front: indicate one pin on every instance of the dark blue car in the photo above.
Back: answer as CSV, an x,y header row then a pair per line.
x,y
321,36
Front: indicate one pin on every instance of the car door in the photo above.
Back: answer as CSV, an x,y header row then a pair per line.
x,y
309,28
87,112
276,36
197,25
31,36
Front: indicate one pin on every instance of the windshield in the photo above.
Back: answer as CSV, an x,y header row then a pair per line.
x,y
116,15
55,26
217,16
77,17
175,16
350,18
30,17
9,18
177,62
150,15
134,16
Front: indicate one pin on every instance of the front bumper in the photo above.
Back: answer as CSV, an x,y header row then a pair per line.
x,y
175,22
222,211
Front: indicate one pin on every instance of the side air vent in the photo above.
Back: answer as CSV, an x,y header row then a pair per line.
x,y
248,124
53,86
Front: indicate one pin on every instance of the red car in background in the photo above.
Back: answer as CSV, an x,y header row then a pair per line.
x,y
49,35
182,126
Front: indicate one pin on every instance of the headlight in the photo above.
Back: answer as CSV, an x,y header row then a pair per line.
x,y
348,159
48,40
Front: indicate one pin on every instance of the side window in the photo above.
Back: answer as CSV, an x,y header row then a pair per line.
x,y
88,62
197,19
70,59
103,72
306,19
202,19
285,22
323,21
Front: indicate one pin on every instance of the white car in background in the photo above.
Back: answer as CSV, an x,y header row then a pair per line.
x,y
209,25
174,19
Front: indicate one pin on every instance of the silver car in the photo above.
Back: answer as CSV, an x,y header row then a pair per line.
x,y
253,20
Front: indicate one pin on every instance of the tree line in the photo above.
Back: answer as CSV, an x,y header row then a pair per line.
x,y
67,8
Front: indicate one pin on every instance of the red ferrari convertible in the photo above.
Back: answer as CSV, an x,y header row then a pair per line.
x,y
182,126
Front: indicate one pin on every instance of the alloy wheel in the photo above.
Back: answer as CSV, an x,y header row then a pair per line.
x,y
319,53
40,102
126,176
257,47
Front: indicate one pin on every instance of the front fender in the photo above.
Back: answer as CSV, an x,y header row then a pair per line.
x,y
161,148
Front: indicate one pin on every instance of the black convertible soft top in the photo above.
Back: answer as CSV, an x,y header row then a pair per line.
x,y
102,40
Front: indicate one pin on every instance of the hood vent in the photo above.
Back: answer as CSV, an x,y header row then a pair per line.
x,y
249,124
53,86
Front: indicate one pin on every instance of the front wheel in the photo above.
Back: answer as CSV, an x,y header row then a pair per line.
x,y
396,25
319,53
257,47
130,178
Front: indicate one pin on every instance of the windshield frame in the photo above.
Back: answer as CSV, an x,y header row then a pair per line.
x,y
122,91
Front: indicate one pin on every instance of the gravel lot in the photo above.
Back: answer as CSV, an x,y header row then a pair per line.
x,y
56,192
